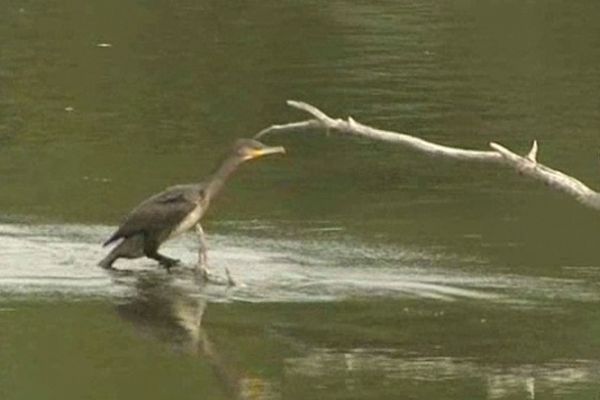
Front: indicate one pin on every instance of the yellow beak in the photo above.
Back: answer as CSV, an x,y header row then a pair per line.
x,y
266,151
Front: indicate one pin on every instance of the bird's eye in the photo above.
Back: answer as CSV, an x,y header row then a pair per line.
x,y
243,152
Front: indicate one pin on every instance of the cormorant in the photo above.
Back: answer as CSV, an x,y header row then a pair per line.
x,y
176,210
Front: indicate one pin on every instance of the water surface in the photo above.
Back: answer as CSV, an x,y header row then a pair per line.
x,y
367,271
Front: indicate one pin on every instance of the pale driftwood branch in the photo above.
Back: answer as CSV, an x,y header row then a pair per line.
x,y
560,181
325,123
527,166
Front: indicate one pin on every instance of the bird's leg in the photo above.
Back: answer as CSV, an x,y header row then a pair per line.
x,y
202,263
151,251
165,261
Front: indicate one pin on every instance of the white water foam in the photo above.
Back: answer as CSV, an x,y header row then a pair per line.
x,y
61,260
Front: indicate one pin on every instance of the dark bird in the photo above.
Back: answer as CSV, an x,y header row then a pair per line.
x,y
176,210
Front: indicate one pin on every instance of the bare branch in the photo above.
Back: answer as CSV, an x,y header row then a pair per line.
x,y
318,114
291,127
500,155
557,180
323,122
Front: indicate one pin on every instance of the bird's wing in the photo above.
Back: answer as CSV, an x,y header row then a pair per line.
x,y
159,213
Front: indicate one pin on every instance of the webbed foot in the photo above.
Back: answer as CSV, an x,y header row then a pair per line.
x,y
203,271
168,263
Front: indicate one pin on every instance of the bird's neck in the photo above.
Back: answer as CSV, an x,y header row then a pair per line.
x,y
217,179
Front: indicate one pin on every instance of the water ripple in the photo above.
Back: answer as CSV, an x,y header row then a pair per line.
x,y
61,259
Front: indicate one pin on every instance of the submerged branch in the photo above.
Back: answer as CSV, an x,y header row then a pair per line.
x,y
527,165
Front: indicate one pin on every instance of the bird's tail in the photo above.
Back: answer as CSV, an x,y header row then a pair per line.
x,y
131,247
111,239
108,261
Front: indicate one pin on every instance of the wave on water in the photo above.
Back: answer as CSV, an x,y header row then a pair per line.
x,y
61,260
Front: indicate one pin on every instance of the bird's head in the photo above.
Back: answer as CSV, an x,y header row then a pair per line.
x,y
247,149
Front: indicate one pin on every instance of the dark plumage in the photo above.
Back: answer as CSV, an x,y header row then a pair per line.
x,y
176,210
161,212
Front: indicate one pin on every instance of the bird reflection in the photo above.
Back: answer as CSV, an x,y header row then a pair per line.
x,y
171,310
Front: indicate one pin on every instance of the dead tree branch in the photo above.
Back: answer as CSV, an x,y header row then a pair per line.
x,y
524,165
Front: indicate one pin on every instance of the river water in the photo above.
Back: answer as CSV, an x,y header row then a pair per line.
x,y
366,271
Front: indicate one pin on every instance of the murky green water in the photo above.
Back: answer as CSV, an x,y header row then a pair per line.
x,y
370,271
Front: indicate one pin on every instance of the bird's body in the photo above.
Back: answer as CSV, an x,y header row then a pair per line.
x,y
161,217
192,218
166,214
176,210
